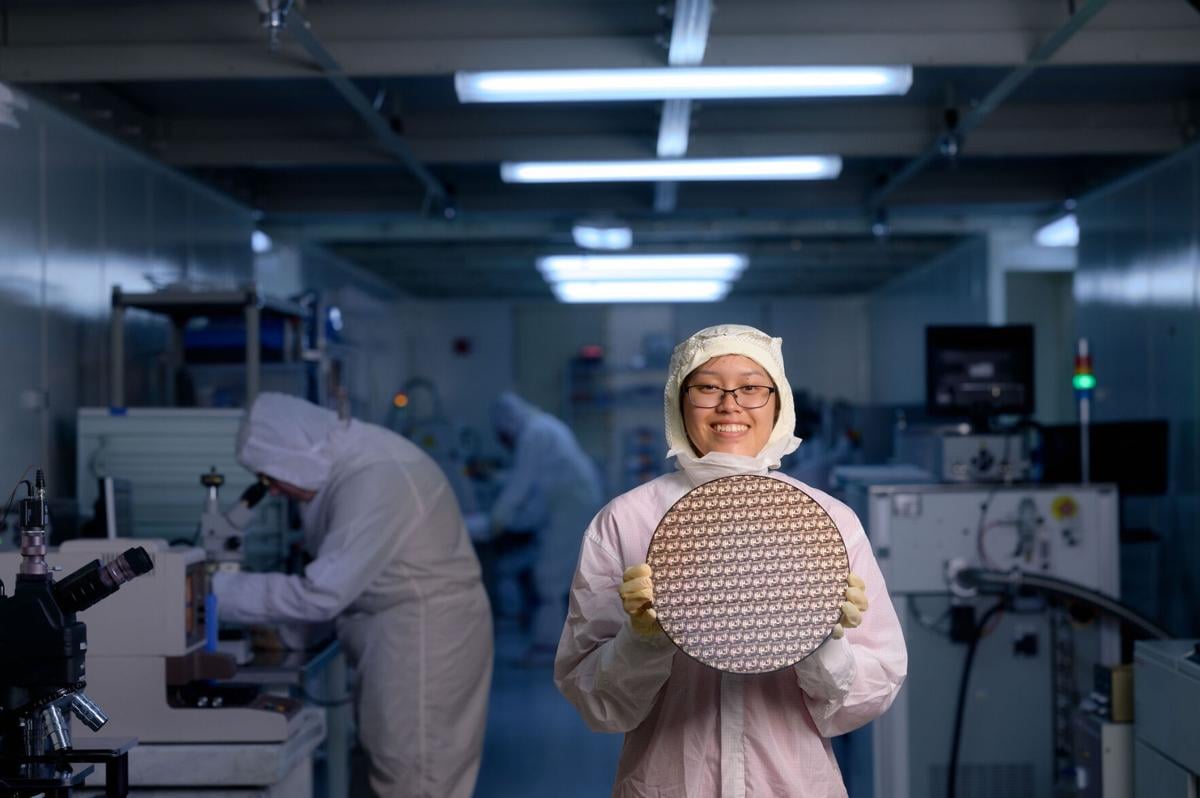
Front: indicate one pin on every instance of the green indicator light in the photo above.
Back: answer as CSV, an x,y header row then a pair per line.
x,y
1084,382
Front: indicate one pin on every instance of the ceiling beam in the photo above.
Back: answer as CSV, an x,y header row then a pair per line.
x,y
997,190
948,142
381,127
809,253
36,22
1133,129
843,118
711,230
1030,191
184,61
191,40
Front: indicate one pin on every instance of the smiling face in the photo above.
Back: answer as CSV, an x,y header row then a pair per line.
x,y
729,427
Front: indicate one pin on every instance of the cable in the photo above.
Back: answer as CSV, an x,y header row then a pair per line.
x,y
1005,467
961,704
1020,427
991,580
13,495
1006,581
995,623
982,526
985,579
981,547
932,624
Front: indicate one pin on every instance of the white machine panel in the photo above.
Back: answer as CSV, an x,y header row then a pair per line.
x,y
161,453
1066,531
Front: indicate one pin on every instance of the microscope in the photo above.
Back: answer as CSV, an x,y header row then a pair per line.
x,y
221,532
42,669
197,719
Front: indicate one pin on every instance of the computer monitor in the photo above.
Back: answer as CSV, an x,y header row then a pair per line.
x,y
979,371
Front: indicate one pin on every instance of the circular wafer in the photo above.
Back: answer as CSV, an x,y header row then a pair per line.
x,y
749,574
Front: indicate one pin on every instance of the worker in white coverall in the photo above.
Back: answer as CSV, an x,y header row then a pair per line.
x,y
691,730
552,490
394,567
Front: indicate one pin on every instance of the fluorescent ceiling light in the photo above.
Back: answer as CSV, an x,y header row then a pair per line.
x,y
683,83
642,291
689,32
802,167
260,242
673,129
1063,232
724,267
601,236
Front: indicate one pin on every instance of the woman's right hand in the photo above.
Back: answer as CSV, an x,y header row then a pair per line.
x,y
637,596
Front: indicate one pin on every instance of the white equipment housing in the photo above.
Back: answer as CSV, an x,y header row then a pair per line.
x,y
1024,660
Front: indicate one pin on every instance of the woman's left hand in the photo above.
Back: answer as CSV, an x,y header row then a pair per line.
x,y
853,607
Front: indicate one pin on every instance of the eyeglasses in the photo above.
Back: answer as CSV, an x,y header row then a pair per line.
x,y
749,397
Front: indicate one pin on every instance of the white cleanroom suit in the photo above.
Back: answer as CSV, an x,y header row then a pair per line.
x,y
691,730
394,567
554,490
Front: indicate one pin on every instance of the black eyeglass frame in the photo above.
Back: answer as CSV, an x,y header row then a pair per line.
x,y
687,390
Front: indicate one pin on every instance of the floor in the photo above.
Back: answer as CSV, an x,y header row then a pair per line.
x,y
536,745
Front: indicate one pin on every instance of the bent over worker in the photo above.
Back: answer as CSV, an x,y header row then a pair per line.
x,y
394,567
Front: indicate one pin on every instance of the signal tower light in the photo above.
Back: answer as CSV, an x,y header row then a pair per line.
x,y
1084,380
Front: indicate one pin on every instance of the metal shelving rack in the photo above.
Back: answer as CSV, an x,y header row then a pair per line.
x,y
180,305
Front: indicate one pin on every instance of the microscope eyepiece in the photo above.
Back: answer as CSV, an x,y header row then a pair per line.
x,y
139,561
96,580
255,493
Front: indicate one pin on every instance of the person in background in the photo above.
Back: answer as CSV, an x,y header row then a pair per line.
x,y
689,729
826,444
553,489
394,567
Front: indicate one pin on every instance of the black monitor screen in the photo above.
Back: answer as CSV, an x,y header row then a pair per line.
x,y
1132,454
979,371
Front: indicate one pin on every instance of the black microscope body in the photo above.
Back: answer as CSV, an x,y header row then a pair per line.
x,y
43,650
